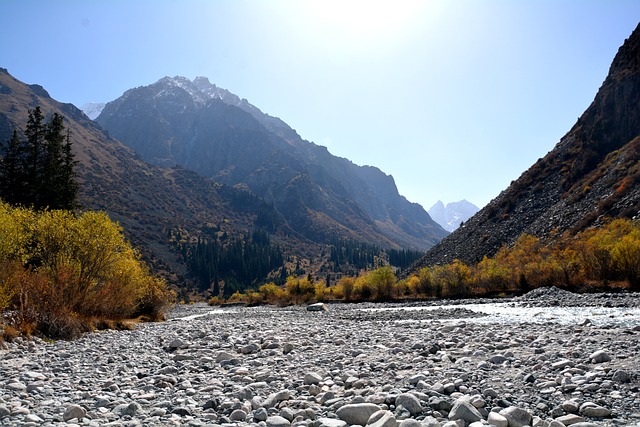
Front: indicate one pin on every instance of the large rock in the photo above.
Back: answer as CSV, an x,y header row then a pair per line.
x,y
319,306
277,421
275,398
410,402
74,411
382,419
329,422
592,410
570,419
497,420
357,413
517,417
463,410
600,356
312,378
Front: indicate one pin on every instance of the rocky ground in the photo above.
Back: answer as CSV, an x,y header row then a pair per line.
x,y
277,367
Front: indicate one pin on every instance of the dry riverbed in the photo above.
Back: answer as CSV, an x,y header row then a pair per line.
x,y
405,365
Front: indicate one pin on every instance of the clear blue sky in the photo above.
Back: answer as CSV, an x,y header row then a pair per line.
x,y
454,98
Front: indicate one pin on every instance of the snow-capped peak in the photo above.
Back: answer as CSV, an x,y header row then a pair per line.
x,y
92,109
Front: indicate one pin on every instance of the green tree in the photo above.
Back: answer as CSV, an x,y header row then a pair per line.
x,y
39,172
12,174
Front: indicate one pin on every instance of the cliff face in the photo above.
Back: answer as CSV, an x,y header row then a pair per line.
x,y
592,174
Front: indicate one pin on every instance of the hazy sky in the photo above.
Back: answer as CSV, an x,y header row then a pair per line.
x,y
453,98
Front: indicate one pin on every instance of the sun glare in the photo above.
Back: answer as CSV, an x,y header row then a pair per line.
x,y
360,20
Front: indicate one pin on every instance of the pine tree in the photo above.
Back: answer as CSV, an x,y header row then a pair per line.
x,y
40,172
12,174
34,160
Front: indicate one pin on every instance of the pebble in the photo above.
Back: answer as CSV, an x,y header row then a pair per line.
x,y
266,366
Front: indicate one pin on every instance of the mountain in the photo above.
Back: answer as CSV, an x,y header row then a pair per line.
x,y
149,202
453,214
92,109
201,127
592,174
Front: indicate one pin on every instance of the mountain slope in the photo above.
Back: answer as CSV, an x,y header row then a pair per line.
x,y
201,127
148,201
593,173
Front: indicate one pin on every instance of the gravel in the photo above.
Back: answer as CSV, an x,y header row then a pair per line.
x,y
364,364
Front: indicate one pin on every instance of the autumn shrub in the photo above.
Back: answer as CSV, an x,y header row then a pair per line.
x,y
238,298
254,297
345,288
363,289
401,290
454,279
215,301
272,293
300,290
626,257
491,276
61,271
382,281
321,292
425,283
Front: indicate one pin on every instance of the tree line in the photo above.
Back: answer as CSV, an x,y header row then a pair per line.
x,y
352,256
224,266
605,259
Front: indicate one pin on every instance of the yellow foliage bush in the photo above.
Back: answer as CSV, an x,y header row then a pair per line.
x,y
60,270
299,290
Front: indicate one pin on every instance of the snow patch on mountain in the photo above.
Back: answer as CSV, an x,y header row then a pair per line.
x,y
453,214
92,109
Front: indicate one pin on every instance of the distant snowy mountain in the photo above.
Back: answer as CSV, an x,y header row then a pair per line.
x,y
453,214
92,109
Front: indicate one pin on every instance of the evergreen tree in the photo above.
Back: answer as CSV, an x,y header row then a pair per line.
x,y
40,171
35,156
12,174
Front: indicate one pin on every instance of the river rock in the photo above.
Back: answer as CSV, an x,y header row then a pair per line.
x,y
497,420
277,421
600,356
382,419
354,354
319,306
312,378
74,411
570,419
463,410
592,410
621,376
410,402
517,417
357,413
329,422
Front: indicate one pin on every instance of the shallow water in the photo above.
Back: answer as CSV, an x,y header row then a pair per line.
x,y
511,312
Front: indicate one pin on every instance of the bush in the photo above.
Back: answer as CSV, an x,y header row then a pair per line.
x,y
61,272
382,281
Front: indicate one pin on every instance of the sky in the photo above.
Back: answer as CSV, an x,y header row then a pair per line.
x,y
453,98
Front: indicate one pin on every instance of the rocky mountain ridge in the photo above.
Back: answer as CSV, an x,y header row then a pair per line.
x,y
591,175
198,126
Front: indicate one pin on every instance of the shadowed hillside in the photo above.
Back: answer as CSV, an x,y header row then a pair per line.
x,y
201,127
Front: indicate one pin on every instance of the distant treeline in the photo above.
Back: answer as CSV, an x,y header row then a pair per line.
x,y
351,256
225,264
